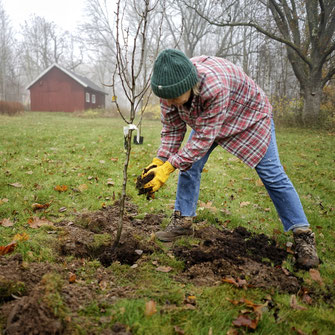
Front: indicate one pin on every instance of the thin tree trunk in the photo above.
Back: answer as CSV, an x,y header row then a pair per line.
x,y
124,189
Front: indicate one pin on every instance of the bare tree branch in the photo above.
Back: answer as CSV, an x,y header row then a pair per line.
x,y
258,28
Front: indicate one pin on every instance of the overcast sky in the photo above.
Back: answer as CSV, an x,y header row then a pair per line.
x,y
65,13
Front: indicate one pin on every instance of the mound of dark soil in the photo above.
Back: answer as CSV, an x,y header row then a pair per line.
x,y
32,315
241,254
18,278
236,254
34,302
79,237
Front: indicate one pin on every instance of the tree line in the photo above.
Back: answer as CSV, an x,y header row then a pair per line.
x,y
286,46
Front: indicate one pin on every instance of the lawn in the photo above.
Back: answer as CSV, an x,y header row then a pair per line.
x,y
56,166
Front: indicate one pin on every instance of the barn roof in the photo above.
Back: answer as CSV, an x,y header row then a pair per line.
x,y
78,78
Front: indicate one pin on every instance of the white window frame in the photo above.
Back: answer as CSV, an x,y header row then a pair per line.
x,y
93,98
87,97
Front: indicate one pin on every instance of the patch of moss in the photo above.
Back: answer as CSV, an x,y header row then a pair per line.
x,y
101,240
9,287
53,284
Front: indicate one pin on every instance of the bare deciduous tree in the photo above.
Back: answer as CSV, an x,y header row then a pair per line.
x,y
9,85
43,44
131,60
185,26
98,31
307,29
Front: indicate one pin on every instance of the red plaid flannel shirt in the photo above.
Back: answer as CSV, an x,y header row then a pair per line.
x,y
230,110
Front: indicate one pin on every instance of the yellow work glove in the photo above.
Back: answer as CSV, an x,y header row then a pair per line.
x,y
161,175
155,163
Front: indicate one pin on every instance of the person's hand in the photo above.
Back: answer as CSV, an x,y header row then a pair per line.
x,y
155,163
160,176
147,176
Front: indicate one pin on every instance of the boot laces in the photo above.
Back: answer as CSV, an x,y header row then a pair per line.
x,y
177,221
305,243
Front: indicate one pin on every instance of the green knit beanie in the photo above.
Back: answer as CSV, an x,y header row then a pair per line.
x,y
173,74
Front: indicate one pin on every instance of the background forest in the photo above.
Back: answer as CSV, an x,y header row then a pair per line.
x,y
287,47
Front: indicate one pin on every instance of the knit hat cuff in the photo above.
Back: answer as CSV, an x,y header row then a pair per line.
x,y
173,75
176,90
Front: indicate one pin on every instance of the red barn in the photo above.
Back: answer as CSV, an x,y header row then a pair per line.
x,y
60,90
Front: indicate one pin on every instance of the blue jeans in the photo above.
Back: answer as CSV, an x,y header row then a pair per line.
x,y
270,171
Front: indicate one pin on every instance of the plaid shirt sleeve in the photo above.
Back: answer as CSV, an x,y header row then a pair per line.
x,y
207,125
173,131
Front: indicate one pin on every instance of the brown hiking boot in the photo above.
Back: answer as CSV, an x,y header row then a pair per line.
x,y
305,249
178,226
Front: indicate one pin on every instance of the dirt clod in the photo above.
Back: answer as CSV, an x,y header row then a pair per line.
x,y
119,328
33,315
142,181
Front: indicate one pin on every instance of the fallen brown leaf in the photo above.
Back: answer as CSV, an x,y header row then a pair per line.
x,y
6,249
207,205
60,188
242,283
36,222
110,182
249,303
315,275
17,185
150,308
289,246
37,206
21,237
232,331
72,278
298,331
191,299
225,211
244,321
189,306
259,182
307,299
178,330
294,303
233,301
103,284
286,272
164,269
276,231
236,282
230,280
6,223
82,187
244,204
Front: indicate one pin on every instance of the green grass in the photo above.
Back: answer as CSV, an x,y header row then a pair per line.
x,y
43,150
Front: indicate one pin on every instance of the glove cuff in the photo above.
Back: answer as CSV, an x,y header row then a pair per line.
x,y
157,161
168,167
